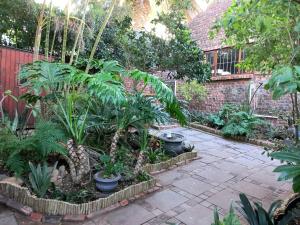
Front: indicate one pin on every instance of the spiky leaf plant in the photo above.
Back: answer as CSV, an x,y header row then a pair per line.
x,y
40,178
229,219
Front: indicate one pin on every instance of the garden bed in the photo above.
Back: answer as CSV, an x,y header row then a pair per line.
x,y
157,167
262,143
57,207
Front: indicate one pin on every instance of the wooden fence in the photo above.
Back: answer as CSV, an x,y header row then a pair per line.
x,y
11,60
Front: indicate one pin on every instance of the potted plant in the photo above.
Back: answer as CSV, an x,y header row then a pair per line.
x,y
108,177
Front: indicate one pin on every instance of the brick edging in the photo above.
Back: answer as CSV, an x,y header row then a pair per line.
x,y
258,142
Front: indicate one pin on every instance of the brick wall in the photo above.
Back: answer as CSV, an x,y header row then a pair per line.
x,y
237,89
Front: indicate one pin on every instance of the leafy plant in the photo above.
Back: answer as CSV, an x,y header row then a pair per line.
x,y
40,178
110,169
215,120
291,170
221,118
240,124
156,155
229,219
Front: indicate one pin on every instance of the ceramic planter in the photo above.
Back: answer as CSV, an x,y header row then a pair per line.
x,y
106,184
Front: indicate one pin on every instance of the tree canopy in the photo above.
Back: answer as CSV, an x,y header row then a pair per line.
x,y
267,29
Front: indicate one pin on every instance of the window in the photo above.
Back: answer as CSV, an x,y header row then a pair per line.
x,y
224,61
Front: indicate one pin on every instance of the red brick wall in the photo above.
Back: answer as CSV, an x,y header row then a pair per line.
x,y
235,89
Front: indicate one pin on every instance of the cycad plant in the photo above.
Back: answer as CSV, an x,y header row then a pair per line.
x,y
257,215
75,123
291,170
143,151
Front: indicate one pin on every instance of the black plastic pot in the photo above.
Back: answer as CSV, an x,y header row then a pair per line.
x,y
173,145
106,184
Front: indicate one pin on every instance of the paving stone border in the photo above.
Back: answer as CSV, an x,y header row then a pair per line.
x,y
180,159
22,195
262,143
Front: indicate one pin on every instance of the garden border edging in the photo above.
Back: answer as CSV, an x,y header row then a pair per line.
x,y
56,207
258,142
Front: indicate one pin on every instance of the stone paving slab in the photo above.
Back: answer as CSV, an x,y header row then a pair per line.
x,y
8,220
193,186
191,192
196,215
166,200
129,215
214,174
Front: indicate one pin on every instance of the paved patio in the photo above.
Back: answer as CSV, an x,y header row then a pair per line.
x,y
191,192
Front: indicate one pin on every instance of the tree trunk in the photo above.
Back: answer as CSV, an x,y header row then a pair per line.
x,y
114,144
79,33
297,117
78,161
53,40
38,33
48,33
139,163
110,10
65,37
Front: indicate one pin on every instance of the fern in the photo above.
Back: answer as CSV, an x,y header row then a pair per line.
x,y
47,137
15,152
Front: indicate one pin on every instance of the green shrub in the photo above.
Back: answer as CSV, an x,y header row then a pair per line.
x,y
228,110
40,178
200,117
241,124
219,119
192,91
215,121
